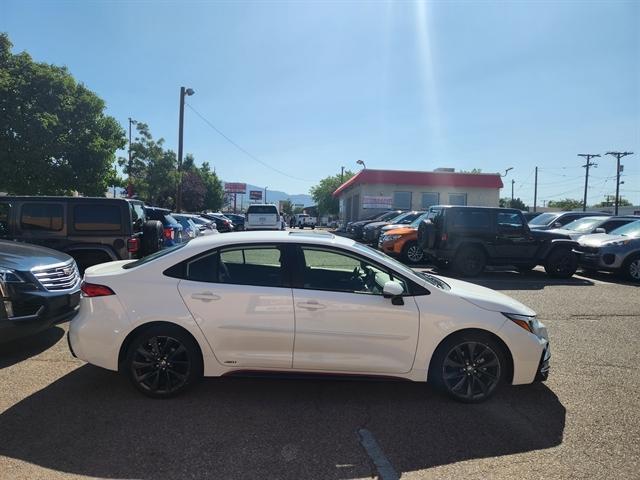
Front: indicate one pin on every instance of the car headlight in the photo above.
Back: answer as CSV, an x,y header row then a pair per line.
x,y
10,276
390,238
530,323
618,243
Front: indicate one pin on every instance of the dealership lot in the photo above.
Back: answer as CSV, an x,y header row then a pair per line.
x,y
60,418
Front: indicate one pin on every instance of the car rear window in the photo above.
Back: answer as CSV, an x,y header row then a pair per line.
x,y
270,209
471,219
97,218
41,216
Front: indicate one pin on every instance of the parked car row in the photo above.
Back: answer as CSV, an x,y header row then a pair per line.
x,y
466,239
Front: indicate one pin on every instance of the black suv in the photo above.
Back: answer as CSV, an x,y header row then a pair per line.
x,y
39,287
91,230
468,238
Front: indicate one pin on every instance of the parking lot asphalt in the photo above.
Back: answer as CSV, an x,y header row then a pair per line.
x,y
61,418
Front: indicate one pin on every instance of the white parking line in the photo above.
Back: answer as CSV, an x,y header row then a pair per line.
x,y
384,467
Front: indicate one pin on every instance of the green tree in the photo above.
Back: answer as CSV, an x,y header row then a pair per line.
x,y
214,190
323,193
54,135
515,203
610,201
287,207
566,204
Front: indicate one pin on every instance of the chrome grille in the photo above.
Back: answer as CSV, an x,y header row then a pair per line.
x,y
58,277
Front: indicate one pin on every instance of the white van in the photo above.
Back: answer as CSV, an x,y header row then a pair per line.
x,y
262,217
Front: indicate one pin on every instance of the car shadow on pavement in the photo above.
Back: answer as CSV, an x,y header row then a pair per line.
x,y
513,280
23,348
91,422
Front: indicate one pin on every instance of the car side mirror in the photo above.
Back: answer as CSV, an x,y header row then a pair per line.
x,y
557,225
599,230
394,291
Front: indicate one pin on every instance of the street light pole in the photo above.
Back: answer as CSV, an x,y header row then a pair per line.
x,y
618,156
361,162
265,194
130,164
512,184
183,92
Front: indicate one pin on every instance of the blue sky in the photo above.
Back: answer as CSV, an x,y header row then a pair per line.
x,y
308,87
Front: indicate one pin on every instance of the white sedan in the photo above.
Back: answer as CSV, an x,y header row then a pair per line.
x,y
300,302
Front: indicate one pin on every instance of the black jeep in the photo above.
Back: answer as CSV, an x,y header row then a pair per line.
x,y
91,230
468,238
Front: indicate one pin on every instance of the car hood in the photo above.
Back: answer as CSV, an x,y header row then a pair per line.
x,y
548,234
563,232
376,225
393,226
486,298
399,230
599,239
24,256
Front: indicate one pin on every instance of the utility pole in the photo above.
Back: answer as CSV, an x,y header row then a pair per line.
x,y
265,194
588,156
618,156
341,175
535,191
512,184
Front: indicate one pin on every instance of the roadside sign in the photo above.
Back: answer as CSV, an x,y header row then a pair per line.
x,y
235,187
379,203
255,195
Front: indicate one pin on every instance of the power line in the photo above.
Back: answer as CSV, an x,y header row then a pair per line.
x,y
248,154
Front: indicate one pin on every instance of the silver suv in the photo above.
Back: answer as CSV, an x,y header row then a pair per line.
x,y
617,251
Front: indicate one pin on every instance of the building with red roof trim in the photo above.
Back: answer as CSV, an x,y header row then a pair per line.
x,y
371,191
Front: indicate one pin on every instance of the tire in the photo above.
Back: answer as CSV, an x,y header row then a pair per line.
x,y
561,263
163,361
631,268
151,237
426,234
469,367
412,253
469,261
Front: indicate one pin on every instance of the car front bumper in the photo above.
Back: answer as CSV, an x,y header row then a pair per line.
x,y
600,259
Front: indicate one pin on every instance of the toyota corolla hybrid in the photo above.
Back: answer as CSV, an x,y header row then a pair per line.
x,y
301,303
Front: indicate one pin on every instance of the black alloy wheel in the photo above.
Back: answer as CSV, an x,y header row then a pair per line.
x,y
470,262
163,361
469,367
561,263
412,253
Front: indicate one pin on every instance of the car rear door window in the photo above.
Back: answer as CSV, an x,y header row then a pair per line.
x,y
259,266
97,218
471,219
42,217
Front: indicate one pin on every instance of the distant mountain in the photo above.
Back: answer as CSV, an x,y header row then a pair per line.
x,y
274,196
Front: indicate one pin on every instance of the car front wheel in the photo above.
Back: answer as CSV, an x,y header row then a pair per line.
x,y
470,262
163,361
469,367
631,268
561,263
412,253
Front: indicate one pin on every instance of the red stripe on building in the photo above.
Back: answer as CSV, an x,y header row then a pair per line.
x,y
434,179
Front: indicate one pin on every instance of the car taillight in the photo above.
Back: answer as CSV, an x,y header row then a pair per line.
x,y
94,290
168,233
133,244
444,237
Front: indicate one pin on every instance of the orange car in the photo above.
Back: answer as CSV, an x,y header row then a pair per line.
x,y
402,243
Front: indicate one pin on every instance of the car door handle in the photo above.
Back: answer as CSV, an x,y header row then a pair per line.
x,y
205,296
311,305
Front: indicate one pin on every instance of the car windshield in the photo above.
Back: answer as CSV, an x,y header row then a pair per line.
x,y
153,256
400,267
416,222
629,230
585,224
400,217
544,219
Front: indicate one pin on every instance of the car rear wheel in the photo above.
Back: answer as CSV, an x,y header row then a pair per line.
x,y
561,263
470,262
469,367
163,361
412,253
151,237
631,268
